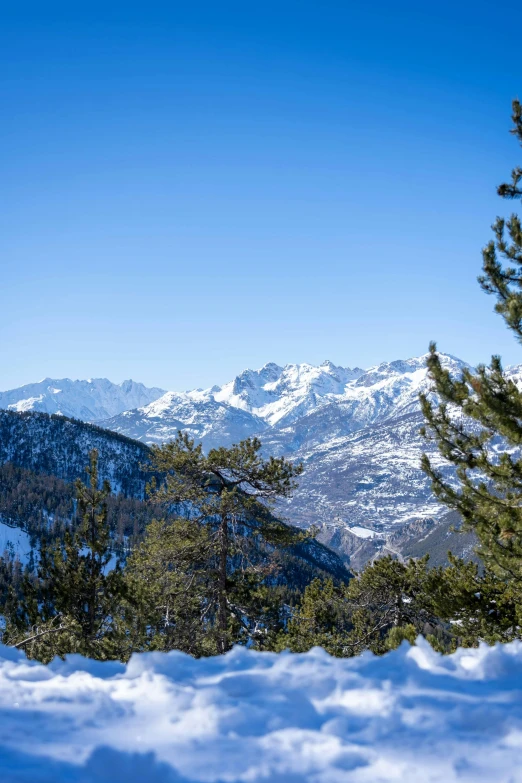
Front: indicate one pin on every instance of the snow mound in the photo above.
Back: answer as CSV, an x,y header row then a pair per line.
x,y
409,716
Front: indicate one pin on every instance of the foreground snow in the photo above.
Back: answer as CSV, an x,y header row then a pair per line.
x,y
410,716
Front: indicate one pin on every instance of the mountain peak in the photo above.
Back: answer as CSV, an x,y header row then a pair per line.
x,y
271,366
328,364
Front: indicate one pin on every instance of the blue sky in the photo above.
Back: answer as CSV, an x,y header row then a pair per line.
x,y
194,188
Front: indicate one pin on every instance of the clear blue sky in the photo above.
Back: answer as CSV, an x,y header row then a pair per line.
x,y
194,188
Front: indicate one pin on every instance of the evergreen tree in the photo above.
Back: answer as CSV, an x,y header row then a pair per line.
x,y
322,619
388,602
73,604
477,604
168,583
477,422
229,492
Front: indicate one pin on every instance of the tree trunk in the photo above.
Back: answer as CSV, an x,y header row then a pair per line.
x,y
92,607
222,617
397,615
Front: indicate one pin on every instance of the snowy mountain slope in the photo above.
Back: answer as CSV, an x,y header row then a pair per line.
x,y
370,477
15,541
197,413
356,432
412,716
280,401
361,451
89,400
382,394
254,401
279,395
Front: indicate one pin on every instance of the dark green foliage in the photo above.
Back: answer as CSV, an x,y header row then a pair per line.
x,y
488,495
42,504
482,411
502,257
322,619
348,619
169,585
172,586
479,606
72,605
228,492
391,601
387,596
11,578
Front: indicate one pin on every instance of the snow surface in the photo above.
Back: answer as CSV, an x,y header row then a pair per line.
x,y
412,716
362,532
15,539
278,394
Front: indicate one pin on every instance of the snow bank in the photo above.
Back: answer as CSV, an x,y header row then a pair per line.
x,y
412,716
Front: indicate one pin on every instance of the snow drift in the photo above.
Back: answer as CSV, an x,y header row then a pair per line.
x,y
409,716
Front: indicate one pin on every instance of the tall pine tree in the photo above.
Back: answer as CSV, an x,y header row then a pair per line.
x,y
229,492
477,421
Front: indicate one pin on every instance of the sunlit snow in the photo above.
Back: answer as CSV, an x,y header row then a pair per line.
x,y
362,532
410,716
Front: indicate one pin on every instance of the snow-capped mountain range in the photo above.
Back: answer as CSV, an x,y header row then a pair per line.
x,y
356,431
89,400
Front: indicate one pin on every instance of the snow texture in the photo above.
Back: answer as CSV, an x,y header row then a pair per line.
x,y
362,532
14,540
409,716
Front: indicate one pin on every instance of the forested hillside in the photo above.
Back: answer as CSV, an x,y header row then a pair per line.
x,y
42,455
56,446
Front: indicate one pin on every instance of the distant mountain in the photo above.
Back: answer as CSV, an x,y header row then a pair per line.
x,y
358,546
198,413
356,432
361,451
89,400
280,395
255,401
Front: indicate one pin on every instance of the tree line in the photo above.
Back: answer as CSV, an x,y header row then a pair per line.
x,y
206,578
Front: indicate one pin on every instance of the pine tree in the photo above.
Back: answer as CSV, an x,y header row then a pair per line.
x,y
477,422
73,605
477,604
322,619
230,492
168,583
388,602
